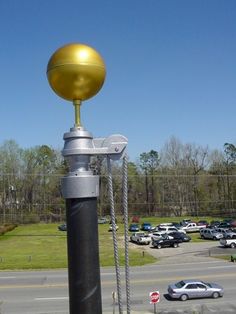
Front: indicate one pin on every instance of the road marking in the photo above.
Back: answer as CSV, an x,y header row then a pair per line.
x,y
51,299
28,286
112,282
10,277
225,266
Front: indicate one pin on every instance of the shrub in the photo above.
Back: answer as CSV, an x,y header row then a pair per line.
x,y
6,228
135,219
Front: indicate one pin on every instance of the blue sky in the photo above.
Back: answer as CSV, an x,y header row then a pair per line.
x,y
171,70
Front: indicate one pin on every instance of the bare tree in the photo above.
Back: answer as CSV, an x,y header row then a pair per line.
x,y
172,161
149,163
10,168
196,161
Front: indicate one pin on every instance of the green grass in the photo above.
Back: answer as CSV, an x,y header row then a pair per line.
x,y
136,257
33,246
224,257
42,246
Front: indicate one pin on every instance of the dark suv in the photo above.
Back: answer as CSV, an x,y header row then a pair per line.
x,y
62,227
182,237
165,241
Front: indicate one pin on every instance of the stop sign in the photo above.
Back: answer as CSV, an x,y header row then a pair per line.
x,y
154,297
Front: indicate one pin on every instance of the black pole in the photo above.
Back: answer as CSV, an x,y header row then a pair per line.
x,y
83,256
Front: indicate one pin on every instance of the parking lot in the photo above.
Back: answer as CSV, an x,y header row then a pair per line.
x,y
188,252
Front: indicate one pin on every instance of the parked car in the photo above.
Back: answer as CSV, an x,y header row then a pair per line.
x,y
230,221
146,226
202,223
233,223
227,233
208,233
182,237
140,238
184,222
224,225
133,227
214,223
110,228
62,227
166,224
189,289
103,220
168,229
157,235
228,243
192,227
176,225
165,242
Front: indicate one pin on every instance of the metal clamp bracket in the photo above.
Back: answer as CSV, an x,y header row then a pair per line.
x,y
81,142
79,147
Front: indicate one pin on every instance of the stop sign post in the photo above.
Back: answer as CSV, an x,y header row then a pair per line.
x,y
154,298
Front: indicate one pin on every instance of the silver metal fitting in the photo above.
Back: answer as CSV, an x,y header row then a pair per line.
x,y
78,148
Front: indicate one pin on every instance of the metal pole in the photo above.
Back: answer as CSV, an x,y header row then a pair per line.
x,y
155,308
80,188
83,256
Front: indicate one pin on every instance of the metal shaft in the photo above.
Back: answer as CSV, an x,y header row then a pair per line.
x,y
83,256
77,105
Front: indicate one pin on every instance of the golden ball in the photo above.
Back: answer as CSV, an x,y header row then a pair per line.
x,y
76,72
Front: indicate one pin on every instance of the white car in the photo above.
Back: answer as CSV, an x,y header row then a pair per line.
x,y
140,238
157,235
167,229
228,242
110,228
192,227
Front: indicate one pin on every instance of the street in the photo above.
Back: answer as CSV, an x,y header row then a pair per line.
x,y
46,292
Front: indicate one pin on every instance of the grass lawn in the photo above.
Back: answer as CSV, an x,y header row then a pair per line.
x,y
42,246
224,257
33,246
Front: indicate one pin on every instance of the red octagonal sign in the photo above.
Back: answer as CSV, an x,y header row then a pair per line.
x,y
154,297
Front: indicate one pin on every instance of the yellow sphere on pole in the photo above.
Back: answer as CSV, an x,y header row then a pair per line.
x,y
76,72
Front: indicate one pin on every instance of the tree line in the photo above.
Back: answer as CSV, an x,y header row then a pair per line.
x,y
180,179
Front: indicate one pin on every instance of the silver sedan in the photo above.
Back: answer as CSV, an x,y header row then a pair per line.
x,y
189,289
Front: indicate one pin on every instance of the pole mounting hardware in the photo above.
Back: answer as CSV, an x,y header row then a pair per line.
x,y
80,142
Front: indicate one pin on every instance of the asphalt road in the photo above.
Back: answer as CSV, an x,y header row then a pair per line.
x,y
46,292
